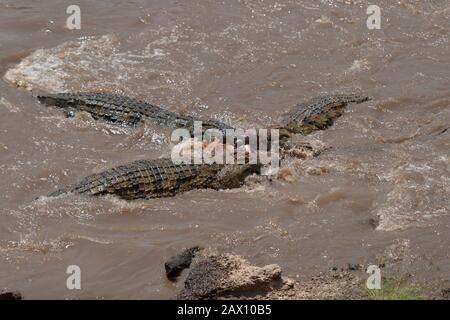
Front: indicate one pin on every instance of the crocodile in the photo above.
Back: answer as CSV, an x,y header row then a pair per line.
x,y
163,178
160,178
316,114
123,110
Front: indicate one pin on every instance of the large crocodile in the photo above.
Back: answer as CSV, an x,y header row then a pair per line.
x,y
161,177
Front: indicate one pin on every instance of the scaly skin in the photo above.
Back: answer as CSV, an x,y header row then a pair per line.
x,y
124,110
319,113
163,178
304,118
160,178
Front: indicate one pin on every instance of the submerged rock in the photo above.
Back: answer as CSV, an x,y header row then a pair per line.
x,y
10,295
69,64
174,265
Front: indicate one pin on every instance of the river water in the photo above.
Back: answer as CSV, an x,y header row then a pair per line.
x,y
384,183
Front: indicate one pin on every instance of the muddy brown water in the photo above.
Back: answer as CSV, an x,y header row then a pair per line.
x,y
385,182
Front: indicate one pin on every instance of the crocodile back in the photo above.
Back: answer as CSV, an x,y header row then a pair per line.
x,y
319,113
124,110
148,179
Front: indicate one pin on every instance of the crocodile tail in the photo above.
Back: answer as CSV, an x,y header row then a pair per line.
x,y
58,193
54,194
358,97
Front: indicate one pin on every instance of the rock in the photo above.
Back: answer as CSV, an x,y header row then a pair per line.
x,y
446,294
355,267
67,65
10,295
179,262
227,275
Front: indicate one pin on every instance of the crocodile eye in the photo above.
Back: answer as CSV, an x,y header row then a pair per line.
x,y
70,114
